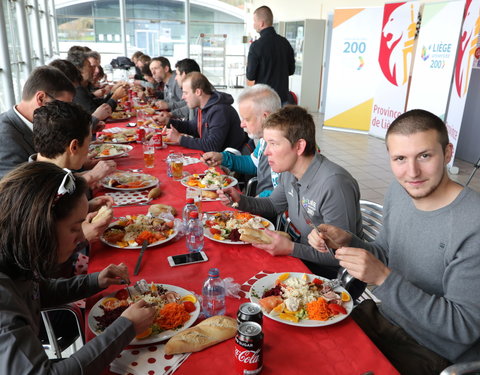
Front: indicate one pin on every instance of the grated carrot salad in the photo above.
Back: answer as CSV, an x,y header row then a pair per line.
x,y
318,310
172,315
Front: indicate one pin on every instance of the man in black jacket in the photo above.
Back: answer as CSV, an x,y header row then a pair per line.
x,y
216,124
270,59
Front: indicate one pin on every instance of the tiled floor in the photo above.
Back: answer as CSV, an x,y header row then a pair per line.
x,y
365,157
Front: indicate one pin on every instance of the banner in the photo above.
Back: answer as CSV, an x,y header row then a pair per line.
x,y
397,43
463,68
434,60
352,68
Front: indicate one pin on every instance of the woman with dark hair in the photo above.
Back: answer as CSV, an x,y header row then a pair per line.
x,y
41,210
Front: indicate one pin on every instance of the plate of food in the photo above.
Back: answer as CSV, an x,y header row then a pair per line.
x,y
110,150
130,231
210,180
301,299
225,226
123,136
169,300
119,116
129,181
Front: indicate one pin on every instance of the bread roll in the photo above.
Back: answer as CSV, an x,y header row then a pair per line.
x,y
258,236
157,209
205,334
104,212
209,194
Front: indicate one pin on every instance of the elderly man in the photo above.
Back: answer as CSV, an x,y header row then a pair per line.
x,y
425,261
216,125
16,130
270,58
327,191
255,104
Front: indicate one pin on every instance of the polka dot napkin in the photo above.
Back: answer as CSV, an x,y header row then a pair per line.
x,y
245,288
150,360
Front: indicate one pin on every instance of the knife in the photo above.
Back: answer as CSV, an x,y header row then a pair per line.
x,y
309,221
139,260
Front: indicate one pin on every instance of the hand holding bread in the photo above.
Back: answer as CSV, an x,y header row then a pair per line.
x,y
209,332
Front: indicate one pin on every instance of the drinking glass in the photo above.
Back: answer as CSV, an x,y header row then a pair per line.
x,y
149,154
176,166
141,117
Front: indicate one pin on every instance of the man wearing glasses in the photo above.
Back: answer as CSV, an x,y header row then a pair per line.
x,y
16,130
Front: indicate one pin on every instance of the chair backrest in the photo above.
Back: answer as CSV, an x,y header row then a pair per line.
x,y
372,219
59,341
251,189
462,369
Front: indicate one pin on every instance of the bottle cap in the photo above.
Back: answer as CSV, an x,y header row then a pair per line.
x,y
190,201
213,272
193,214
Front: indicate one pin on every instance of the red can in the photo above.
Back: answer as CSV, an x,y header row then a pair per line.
x,y
249,312
140,135
158,141
249,349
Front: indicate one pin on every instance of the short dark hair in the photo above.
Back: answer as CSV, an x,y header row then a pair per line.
x,y
199,81
136,55
77,58
48,79
163,61
187,66
29,212
94,55
265,14
296,123
76,49
419,120
58,123
70,70
145,59
146,71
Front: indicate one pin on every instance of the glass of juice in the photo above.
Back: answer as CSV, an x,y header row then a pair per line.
x,y
141,117
149,154
176,166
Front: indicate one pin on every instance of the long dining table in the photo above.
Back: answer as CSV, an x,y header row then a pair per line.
x,y
338,349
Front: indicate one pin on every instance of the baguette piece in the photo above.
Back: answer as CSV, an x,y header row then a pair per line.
x,y
258,236
157,209
102,213
209,332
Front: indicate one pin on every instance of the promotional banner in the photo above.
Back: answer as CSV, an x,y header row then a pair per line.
x,y
463,68
434,60
352,68
397,43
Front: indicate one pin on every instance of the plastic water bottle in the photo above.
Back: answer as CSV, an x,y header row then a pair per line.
x,y
194,233
213,294
189,207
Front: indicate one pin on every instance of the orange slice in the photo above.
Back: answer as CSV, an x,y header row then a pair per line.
x,y
189,297
289,317
144,334
279,309
110,303
282,278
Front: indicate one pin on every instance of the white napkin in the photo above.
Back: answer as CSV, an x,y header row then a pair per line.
x,y
187,160
150,360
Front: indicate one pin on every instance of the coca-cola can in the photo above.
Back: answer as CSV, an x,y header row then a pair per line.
x,y
157,141
140,135
250,312
249,349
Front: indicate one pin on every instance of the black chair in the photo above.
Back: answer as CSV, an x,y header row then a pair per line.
x,y
251,189
470,368
63,325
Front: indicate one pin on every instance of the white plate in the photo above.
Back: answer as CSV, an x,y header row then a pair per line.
x,y
152,181
121,150
175,232
232,183
97,311
268,282
206,230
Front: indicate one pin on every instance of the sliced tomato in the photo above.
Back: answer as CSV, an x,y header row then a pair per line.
x,y
189,306
215,231
121,294
317,281
210,223
337,309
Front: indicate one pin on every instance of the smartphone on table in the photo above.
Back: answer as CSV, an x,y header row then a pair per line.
x,y
184,259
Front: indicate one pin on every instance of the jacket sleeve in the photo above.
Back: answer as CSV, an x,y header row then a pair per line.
x,y
291,60
180,112
239,163
13,151
252,63
185,127
214,137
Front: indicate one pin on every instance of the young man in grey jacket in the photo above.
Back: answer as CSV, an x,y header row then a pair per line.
x,y
327,191
425,261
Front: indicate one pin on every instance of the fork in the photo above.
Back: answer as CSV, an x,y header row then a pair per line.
x,y
310,223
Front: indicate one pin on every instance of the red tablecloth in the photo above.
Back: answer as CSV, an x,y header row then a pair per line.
x,y
339,349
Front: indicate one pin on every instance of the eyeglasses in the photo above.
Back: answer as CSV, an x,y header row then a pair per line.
x,y
67,186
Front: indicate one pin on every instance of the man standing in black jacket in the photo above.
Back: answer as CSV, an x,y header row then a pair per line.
x,y
270,59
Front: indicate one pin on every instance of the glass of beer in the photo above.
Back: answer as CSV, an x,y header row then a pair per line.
x,y
141,117
149,154
176,166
